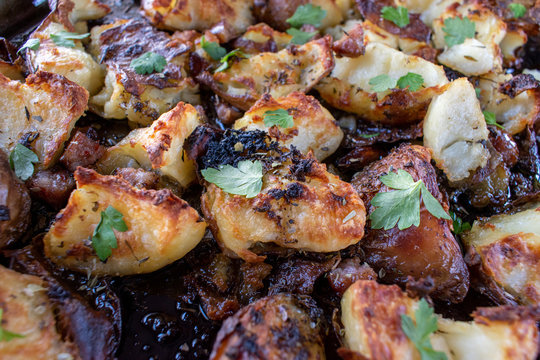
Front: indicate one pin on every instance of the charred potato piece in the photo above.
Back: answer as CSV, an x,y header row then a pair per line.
x,y
40,113
27,311
161,227
371,315
141,98
504,253
158,147
14,204
456,132
297,68
275,327
314,127
347,87
427,250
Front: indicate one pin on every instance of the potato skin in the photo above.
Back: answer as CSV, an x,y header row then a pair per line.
x,y
14,204
427,250
275,327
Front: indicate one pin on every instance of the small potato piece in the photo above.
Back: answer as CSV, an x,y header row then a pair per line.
x,y
455,131
504,251
27,311
262,38
314,127
158,147
161,227
275,327
14,204
41,113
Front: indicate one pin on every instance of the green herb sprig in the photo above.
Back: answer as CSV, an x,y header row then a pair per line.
x,y
245,179
104,239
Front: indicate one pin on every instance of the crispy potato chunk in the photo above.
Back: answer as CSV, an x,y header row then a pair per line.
x,y
40,113
347,88
455,131
199,14
427,250
504,251
141,98
262,38
161,227
275,327
27,311
314,127
297,68
158,147
371,315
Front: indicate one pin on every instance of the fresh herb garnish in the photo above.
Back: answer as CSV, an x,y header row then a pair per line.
x,y
300,37
384,82
246,179
6,335
279,117
32,44
459,225
412,80
65,38
477,91
213,49
399,15
104,239
418,331
225,60
518,10
402,206
369,136
491,119
148,63
458,30
22,161
307,14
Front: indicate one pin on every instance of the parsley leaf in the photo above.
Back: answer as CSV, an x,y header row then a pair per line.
x,y
307,14
402,206
426,323
225,60
246,179
104,239
65,38
412,80
21,160
32,44
458,30
213,49
459,225
148,63
300,37
517,9
477,91
382,83
399,15
279,117
6,335
491,120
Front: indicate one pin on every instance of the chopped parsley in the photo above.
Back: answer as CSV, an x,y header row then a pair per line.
x,y
459,226
279,117
518,10
457,30
22,161
148,63
246,179
300,37
491,119
6,335
384,82
32,44
307,15
213,49
225,60
399,15
104,239
65,38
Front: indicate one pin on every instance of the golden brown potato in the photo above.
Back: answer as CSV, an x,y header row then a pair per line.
x,y
275,327
504,253
14,204
199,14
427,250
157,147
41,113
314,127
27,311
262,38
141,98
347,87
161,227
371,315
297,68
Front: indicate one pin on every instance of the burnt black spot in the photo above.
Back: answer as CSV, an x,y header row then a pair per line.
x,y
4,213
294,190
276,193
299,169
28,138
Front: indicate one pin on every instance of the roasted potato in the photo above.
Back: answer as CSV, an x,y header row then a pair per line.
x,y
157,147
262,38
161,227
504,253
428,250
276,327
347,87
40,113
314,127
27,311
